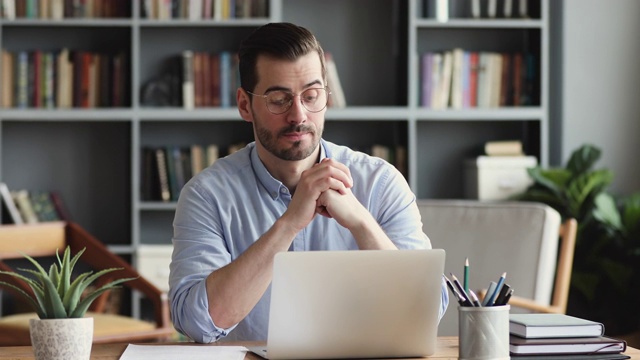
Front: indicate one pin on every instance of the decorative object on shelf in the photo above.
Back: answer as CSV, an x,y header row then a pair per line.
x,y
61,332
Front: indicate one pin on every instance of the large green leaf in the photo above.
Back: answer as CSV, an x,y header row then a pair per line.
x,y
585,185
553,180
607,212
583,159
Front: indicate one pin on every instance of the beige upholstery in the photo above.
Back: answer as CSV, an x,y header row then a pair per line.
x,y
519,238
43,240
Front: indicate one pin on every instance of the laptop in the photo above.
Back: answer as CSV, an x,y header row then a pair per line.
x,y
354,304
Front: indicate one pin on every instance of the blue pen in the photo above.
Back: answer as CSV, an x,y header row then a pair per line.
x,y
497,290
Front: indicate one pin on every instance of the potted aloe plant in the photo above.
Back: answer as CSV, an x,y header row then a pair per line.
x,y
62,331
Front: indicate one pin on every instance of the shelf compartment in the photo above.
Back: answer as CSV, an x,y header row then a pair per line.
x,y
87,163
156,227
441,172
370,56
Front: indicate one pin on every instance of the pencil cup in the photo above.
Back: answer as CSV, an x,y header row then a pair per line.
x,y
483,332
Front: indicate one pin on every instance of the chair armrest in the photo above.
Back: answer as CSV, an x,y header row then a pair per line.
x,y
516,301
524,303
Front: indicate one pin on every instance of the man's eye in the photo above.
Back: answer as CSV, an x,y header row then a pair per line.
x,y
278,98
279,101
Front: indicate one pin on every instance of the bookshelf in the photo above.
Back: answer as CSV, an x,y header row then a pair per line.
x,y
93,156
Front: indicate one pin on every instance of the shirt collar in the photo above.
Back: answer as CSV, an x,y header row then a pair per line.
x,y
271,184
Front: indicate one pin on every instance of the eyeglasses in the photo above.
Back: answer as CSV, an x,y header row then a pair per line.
x,y
279,101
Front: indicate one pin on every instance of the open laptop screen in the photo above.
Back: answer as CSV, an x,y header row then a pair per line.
x,y
350,304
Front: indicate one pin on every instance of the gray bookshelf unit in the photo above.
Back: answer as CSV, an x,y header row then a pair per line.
x,y
92,157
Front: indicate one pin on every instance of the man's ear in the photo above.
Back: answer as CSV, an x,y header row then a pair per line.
x,y
244,105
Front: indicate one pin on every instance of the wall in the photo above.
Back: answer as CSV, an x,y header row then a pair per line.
x,y
595,94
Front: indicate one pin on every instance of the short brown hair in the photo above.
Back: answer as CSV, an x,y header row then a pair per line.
x,y
279,40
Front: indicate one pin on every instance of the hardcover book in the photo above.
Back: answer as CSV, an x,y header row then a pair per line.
x,y
583,345
533,326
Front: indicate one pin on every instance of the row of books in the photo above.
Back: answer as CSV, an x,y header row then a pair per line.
x,y
204,9
443,10
209,79
166,169
561,336
30,206
198,79
468,79
63,79
59,9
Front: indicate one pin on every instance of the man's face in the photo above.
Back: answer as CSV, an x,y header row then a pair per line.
x,y
294,134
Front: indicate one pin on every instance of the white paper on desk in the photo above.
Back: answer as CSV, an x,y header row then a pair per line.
x,y
191,352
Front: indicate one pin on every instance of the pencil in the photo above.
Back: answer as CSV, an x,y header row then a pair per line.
x,y
466,275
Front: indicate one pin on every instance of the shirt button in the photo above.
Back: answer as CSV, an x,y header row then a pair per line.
x,y
284,190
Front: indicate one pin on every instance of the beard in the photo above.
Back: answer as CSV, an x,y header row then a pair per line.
x,y
297,150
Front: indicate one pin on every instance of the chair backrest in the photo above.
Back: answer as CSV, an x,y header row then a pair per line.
x,y
519,238
45,239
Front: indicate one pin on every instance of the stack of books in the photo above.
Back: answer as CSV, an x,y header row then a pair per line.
x,y
559,336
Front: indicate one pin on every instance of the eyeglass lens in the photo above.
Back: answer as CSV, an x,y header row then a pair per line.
x,y
314,100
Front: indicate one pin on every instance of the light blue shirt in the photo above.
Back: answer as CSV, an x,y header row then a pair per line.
x,y
225,208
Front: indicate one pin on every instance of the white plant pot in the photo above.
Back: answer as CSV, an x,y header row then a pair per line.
x,y
61,339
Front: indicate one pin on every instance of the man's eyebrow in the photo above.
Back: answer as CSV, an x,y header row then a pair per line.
x,y
282,88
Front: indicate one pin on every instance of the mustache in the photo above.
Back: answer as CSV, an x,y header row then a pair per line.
x,y
295,129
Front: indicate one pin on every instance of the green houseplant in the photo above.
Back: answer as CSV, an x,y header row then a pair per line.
x,y
604,280
59,302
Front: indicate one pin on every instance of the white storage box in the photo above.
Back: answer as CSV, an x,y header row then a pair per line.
x,y
497,177
153,264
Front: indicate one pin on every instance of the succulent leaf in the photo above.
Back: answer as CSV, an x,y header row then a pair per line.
x,y
54,294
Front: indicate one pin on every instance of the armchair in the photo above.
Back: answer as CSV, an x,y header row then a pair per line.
x,y
527,240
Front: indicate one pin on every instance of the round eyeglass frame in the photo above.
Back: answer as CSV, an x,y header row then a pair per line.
x,y
264,96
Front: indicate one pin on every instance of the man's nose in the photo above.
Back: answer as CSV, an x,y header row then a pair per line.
x,y
297,113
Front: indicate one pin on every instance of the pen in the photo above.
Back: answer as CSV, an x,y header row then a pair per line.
x,y
474,299
464,295
461,299
503,293
466,274
497,290
456,282
507,297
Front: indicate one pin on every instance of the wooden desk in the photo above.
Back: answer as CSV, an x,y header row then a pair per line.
x,y
447,349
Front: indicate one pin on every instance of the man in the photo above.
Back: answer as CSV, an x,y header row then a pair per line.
x,y
287,191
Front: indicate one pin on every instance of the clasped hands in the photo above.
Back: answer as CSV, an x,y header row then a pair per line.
x,y
325,189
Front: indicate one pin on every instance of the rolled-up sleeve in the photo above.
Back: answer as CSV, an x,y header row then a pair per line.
x,y
198,250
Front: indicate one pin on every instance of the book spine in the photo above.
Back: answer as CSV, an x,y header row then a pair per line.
x,y
10,205
165,191
21,198
188,96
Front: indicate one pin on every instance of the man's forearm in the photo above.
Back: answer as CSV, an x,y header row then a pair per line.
x,y
233,290
370,236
